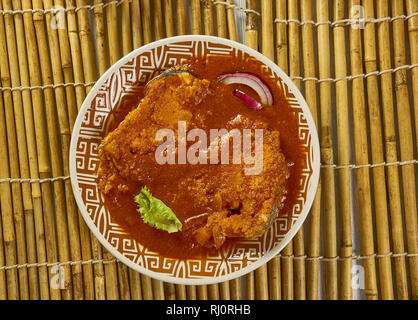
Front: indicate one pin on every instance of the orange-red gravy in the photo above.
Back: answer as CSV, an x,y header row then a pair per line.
x,y
279,116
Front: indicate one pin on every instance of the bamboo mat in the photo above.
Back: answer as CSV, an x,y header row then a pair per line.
x,y
356,62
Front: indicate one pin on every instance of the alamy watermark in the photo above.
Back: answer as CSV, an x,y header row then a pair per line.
x,y
357,21
206,150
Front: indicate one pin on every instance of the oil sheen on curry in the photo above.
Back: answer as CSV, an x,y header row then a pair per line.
x,y
173,170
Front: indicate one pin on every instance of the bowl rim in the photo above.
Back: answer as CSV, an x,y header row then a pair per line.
x,y
309,197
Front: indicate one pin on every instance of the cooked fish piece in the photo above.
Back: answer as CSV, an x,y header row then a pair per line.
x,y
229,202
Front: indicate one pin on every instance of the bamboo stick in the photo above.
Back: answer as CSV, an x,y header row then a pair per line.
x,y
135,284
362,157
102,52
221,24
36,238
23,215
114,56
123,277
63,73
311,99
146,20
181,293
261,274
328,180
282,61
66,59
9,235
251,32
411,8
191,292
69,42
379,177
343,142
196,17
267,29
232,28
4,191
112,32
294,70
169,19
158,289
181,17
158,19
53,76
136,24
82,36
75,50
202,292
169,291
42,146
208,18
391,152
146,287
125,17
225,290
87,50
252,42
250,286
235,289
406,144
213,292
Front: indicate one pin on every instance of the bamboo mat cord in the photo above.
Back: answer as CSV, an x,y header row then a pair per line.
x,y
312,280
286,258
391,152
406,143
362,157
379,177
327,157
343,143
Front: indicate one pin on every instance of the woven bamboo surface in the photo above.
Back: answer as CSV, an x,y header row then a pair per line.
x,y
356,62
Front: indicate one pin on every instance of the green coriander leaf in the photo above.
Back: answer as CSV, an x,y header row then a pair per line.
x,y
155,213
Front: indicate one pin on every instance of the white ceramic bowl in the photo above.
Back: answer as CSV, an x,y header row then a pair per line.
x,y
140,66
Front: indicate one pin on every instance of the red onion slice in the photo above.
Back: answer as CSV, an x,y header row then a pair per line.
x,y
252,81
252,103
